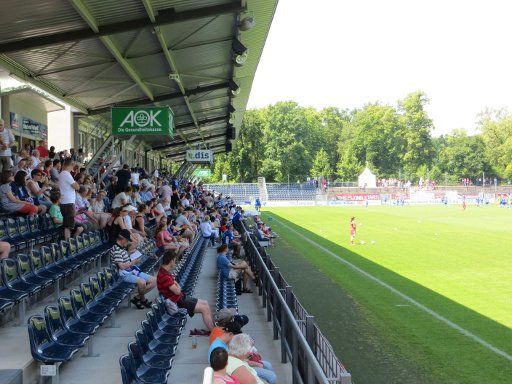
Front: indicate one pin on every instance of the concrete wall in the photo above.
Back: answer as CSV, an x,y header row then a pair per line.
x,y
59,129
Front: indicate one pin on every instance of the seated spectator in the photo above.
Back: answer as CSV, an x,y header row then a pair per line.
x,y
5,249
35,159
115,224
134,197
239,350
230,238
145,194
184,224
128,270
234,270
84,215
51,153
140,220
98,209
222,318
37,187
42,148
9,202
47,167
129,220
224,337
154,215
123,178
207,230
122,198
219,363
134,177
20,191
170,289
262,367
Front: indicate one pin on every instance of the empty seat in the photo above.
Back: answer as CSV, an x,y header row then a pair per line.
x,y
12,279
71,322
142,355
58,332
42,347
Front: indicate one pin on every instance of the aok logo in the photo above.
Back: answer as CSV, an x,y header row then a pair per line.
x,y
141,119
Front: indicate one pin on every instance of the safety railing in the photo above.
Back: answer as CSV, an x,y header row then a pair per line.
x,y
302,343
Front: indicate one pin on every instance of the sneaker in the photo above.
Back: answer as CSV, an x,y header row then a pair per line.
x,y
136,301
146,303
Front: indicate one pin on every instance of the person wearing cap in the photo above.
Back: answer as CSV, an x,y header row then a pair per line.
x,y
170,289
223,317
222,341
128,270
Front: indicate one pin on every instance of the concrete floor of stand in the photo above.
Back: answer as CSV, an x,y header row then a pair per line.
x,y
189,364
111,343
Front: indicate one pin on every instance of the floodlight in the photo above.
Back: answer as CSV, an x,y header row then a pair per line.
x,y
247,23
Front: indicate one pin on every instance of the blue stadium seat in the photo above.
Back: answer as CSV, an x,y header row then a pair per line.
x,y
71,322
27,274
58,332
142,354
93,305
157,346
12,279
81,311
42,347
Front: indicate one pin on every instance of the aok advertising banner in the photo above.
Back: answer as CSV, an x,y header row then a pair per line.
x,y
142,121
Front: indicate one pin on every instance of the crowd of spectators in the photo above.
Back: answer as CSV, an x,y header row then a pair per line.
x,y
133,207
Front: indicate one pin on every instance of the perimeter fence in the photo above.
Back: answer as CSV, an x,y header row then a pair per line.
x,y
302,343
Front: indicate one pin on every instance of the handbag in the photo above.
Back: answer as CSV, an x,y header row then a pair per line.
x,y
171,307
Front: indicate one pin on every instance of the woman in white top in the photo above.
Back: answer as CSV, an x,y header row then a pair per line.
x,y
240,348
37,192
98,209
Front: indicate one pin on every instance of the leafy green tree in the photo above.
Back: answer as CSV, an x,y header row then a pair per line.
x,y
463,156
496,128
321,165
416,130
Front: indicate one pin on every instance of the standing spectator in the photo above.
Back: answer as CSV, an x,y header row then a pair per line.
x,y
67,186
175,199
165,191
54,172
80,158
207,230
6,142
42,148
123,178
134,177
9,202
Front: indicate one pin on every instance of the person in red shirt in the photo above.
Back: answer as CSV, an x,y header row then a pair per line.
x,y
42,148
353,230
170,289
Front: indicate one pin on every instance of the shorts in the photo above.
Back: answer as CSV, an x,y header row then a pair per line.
x,y
68,215
189,303
131,278
28,209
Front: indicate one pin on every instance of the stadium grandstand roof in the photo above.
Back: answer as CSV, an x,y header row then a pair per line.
x,y
95,54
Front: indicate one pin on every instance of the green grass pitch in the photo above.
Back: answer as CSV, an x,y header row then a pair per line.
x,y
455,263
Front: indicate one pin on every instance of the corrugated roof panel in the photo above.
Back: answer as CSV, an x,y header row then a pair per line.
x,y
182,5
108,12
33,18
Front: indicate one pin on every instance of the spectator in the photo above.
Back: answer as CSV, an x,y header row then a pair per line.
x,y
224,337
51,153
116,223
231,240
84,215
48,165
128,270
6,142
142,211
38,187
134,177
231,270
42,148
19,189
207,230
122,198
165,192
80,157
222,318
35,159
54,172
123,178
5,249
240,348
170,289
98,209
175,199
67,186
10,203
219,363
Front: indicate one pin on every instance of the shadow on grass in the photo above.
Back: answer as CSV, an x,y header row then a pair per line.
x,y
380,336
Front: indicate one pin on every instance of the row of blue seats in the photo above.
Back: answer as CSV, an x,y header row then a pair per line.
x,y
226,293
149,358
27,274
25,232
63,330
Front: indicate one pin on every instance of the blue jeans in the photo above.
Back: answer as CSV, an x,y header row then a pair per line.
x,y
212,238
266,373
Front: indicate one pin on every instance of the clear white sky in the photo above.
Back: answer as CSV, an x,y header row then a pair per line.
x,y
345,53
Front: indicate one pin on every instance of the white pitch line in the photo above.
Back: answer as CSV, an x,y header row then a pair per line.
x,y
405,297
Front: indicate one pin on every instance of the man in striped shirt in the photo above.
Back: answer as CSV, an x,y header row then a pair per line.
x,y
128,270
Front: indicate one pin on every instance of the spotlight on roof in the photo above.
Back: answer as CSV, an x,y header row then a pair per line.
x,y
247,23
231,109
233,87
238,47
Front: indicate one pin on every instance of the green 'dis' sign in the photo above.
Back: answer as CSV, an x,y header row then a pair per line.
x,y
142,121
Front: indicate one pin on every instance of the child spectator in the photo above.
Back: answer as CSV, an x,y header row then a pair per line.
x,y
219,363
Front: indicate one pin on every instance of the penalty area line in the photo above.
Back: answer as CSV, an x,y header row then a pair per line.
x,y
426,309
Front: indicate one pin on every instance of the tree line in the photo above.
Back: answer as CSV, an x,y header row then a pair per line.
x,y
287,142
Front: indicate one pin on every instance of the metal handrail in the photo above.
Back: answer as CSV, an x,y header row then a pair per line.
x,y
306,368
